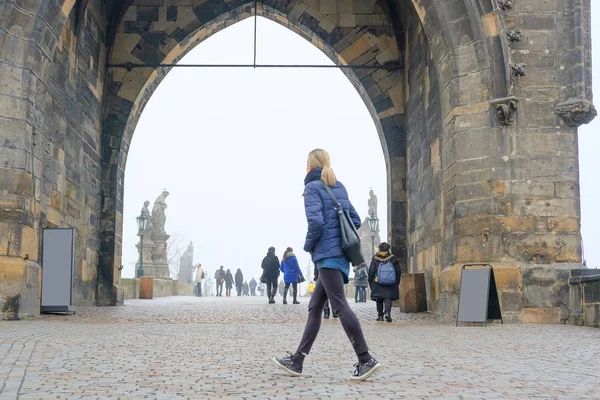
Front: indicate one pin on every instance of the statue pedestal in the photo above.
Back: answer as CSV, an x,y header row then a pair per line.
x,y
159,271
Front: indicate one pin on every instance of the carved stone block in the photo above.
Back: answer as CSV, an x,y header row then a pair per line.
x,y
513,35
505,4
504,109
518,69
576,111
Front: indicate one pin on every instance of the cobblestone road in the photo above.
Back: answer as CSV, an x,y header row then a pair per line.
x,y
207,348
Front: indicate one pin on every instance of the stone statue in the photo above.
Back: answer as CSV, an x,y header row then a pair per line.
x,y
159,218
146,213
372,203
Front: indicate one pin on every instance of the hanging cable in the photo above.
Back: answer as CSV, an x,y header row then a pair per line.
x,y
255,23
130,66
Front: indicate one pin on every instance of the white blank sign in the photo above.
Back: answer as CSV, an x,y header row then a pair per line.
x,y
57,269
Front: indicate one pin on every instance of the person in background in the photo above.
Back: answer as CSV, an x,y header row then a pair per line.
x,y
270,266
324,243
281,287
220,279
228,283
239,281
384,262
198,279
361,281
310,289
291,274
252,286
261,289
245,289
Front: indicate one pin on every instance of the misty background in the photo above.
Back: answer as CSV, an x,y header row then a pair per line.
x,y
230,145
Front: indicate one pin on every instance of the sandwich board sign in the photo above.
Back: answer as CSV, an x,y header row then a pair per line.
x,y
58,261
478,299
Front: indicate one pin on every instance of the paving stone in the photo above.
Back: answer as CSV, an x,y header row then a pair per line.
x,y
219,348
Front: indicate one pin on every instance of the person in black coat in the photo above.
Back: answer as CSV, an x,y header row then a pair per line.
x,y
383,295
228,283
270,266
239,281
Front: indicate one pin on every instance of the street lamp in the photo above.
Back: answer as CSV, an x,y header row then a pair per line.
x,y
373,228
142,221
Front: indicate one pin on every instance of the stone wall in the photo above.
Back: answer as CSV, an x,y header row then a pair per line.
x,y
425,211
20,289
52,69
161,288
585,297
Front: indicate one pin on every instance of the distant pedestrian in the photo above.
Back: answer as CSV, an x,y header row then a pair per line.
x,y
219,280
384,277
361,281
324,243
270,266
261,289
253,285
198,279
245,289
310,289
239,281
281,287
228,283
292,274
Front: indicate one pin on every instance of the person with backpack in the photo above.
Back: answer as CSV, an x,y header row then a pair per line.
x,y
384,277
361,281
326,202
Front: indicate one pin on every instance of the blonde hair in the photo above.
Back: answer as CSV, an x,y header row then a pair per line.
x,y
319,158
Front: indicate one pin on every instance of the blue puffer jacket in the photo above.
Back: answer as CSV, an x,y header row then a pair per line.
x,y
323,239
290,269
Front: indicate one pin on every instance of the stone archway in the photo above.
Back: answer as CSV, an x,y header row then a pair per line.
x,y
344,42
481,168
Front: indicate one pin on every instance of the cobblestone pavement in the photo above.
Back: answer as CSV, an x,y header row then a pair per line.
x,y
208,348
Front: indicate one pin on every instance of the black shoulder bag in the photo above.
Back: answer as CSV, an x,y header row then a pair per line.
x,y
350,239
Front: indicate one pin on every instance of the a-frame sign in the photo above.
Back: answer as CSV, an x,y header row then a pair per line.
x,y
478,299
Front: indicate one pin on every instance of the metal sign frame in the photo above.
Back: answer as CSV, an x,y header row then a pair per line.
x,y
492,294
50,272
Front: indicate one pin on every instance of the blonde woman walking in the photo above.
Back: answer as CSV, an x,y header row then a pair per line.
x,y
323,242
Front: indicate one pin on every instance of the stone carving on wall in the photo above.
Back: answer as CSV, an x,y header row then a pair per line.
x,y
513,35
576,111
518,69
505,4
505,109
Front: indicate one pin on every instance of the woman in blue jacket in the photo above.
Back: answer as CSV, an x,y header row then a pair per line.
x,y
291,274
324,243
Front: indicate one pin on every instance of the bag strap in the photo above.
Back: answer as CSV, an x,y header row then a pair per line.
x,y
336,205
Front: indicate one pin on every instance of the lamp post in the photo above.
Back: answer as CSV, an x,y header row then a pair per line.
x,y
142,221
373,228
